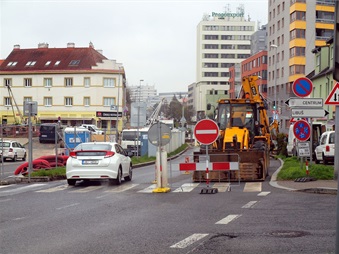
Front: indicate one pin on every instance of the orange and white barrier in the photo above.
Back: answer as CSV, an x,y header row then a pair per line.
x,y
214,166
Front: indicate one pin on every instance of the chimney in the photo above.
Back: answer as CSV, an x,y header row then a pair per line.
x,y
71,45
43,45
16,47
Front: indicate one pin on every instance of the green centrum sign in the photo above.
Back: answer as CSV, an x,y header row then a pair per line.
x,y
225,14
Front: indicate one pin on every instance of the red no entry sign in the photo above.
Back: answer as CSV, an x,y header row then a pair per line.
x,y
206,131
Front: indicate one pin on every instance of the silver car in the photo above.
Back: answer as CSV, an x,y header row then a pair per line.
x,y
12,150
99,161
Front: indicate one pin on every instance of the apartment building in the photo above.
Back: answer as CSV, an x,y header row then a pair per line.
x,y
223,39
295,28
73,85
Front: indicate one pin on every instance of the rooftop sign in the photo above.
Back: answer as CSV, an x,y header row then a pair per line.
x,y
225,14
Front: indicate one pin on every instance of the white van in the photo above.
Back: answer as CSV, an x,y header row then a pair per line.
x,y
317,129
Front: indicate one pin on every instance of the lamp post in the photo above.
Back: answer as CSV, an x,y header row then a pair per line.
x,y
138,138
275,82
116,123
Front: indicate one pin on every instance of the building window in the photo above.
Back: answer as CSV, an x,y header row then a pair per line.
x,y
211,37
48,82
7,82
27,99
7,101
87,82
68,101
211,65
232,56
211,46
109,82
108,101
210,55
210,74
74,63
48,101
30,63
68,82
27,82
87,101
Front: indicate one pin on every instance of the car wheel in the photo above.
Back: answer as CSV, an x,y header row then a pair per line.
x,y
71,182
130,172
119,178
24,158
14,158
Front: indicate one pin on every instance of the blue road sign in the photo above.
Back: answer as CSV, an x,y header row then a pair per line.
x,y
302,130
302,87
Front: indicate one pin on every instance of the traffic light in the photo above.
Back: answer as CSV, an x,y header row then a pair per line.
x,y
273,103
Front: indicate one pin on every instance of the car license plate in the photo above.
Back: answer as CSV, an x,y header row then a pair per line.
x,y
90,162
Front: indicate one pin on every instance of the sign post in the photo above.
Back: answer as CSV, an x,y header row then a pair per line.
x,y
206,132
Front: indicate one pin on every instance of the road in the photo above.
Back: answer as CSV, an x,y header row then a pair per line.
x,y
101,218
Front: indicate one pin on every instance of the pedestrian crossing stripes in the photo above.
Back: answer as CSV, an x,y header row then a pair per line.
x,y
140,188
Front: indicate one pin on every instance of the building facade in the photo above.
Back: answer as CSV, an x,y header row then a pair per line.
x,y
295,28
70,85
223,39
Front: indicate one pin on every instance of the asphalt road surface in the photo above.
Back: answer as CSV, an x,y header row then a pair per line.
x,y
96,217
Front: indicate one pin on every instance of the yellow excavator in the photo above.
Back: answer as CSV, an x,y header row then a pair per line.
x,y
244,136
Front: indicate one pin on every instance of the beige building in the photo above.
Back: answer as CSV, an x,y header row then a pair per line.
x,y
71,85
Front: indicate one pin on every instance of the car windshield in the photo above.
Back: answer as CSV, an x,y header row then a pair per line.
x,y
5,144
129,135
91,147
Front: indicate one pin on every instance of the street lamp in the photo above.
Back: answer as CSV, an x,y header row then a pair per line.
x,y
116,122
138,138
275,82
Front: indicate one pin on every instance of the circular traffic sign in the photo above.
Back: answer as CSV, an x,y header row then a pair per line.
x,y
206,131
302,130
159,134
302,87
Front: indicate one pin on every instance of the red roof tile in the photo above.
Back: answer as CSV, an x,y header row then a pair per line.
x,y
87,58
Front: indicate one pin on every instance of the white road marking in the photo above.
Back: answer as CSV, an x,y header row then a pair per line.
x,y
249,204
188,241
122,188
4,186
228,219
222,187
27,187
149,189
252,187
4,200
88,189
54,189
67,206
19,218
264,193
186,187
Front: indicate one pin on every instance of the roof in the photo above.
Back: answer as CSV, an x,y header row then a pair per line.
x,y
51,59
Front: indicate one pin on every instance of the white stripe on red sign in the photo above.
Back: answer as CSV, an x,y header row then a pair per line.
x,y
206,131
215,166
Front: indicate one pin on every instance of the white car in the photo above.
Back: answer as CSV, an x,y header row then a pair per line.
x,y
325,150
99,161
12,150
93,128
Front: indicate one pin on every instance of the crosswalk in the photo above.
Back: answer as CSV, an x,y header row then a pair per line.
x,y
136,187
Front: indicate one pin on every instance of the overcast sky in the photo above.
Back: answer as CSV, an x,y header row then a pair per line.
x,y
154,40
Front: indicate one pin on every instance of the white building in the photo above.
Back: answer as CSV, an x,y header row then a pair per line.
x,y
223,39
73,85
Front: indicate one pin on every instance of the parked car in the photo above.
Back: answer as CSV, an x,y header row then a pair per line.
x,y
99,161
12,150
49,132
325,150
93,128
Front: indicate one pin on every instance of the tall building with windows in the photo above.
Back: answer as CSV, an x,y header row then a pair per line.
x,y
71,85
295,28
223,39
